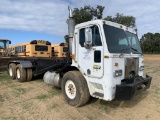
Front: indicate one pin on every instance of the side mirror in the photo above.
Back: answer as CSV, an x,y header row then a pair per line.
x,y
88,38
9,42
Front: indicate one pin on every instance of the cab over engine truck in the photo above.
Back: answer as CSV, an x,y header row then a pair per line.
x,y
104,60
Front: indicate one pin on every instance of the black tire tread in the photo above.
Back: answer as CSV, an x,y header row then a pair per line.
x,y
81,84
85,98
23,76
29,74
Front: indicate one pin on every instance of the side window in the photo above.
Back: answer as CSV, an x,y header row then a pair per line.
x,y
24,48
96,38
17,50
82,37
97,56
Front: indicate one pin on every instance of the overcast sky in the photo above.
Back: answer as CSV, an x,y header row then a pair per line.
x,y
25,20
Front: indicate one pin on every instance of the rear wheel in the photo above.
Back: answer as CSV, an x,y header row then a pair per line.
x,y
21,73
75,89
29,74
12,70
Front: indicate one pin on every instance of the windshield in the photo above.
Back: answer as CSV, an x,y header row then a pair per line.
x,y
119,41
1,45
41,48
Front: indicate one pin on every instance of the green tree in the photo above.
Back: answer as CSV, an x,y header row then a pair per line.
x,y
128,21
66,37
87,13
150,43
98,12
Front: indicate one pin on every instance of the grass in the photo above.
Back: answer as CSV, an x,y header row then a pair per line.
x,y
52,106
19,91
105,108
153,70
50,94
55,91
42,97
147,117
9,118
1,100
5,79
26,105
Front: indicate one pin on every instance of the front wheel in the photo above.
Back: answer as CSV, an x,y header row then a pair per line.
x,y
75,89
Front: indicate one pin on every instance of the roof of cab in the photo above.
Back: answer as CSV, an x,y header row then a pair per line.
x,y
101,22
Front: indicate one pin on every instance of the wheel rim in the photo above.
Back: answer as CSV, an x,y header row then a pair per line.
x,y
10,71
70,89
18,74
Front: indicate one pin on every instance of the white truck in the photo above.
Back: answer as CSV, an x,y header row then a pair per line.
x,y
104,60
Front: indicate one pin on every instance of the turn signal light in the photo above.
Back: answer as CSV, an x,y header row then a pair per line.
x,y
106,56
115,64
73,56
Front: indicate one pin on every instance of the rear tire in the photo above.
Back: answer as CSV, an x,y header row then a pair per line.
x,y
75,89
29,74
21,73
12,70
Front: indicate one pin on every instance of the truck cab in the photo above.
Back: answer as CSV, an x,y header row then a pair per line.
x,y
109,56
103,60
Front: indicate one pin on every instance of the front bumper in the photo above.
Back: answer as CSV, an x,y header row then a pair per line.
x,y
127,91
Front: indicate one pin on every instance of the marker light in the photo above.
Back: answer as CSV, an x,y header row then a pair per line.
x,y
115,64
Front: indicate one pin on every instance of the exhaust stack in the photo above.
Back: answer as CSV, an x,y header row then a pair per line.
x,y
71,27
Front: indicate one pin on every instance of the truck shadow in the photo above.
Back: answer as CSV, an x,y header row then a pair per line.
x,y
120,103
38,77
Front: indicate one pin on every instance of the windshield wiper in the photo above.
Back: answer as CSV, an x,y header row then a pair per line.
x,y
131,48
123,50
136,50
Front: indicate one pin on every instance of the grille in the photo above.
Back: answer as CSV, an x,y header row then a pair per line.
x,y
131,66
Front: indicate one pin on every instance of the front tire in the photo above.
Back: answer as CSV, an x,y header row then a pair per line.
x,y
75,89
21,75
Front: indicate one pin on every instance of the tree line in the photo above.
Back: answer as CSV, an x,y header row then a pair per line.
x,y
88,13
150,42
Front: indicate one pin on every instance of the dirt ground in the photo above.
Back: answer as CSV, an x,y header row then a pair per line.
x,y
36,100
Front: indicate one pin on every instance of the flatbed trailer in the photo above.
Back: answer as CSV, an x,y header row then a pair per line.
x,y
38,65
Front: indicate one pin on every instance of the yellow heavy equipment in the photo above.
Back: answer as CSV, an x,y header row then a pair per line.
x,y
4,44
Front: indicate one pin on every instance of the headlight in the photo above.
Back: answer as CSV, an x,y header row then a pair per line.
x,y
141,68
117,73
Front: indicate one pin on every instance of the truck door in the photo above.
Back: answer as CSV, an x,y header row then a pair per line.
x,y
91,60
